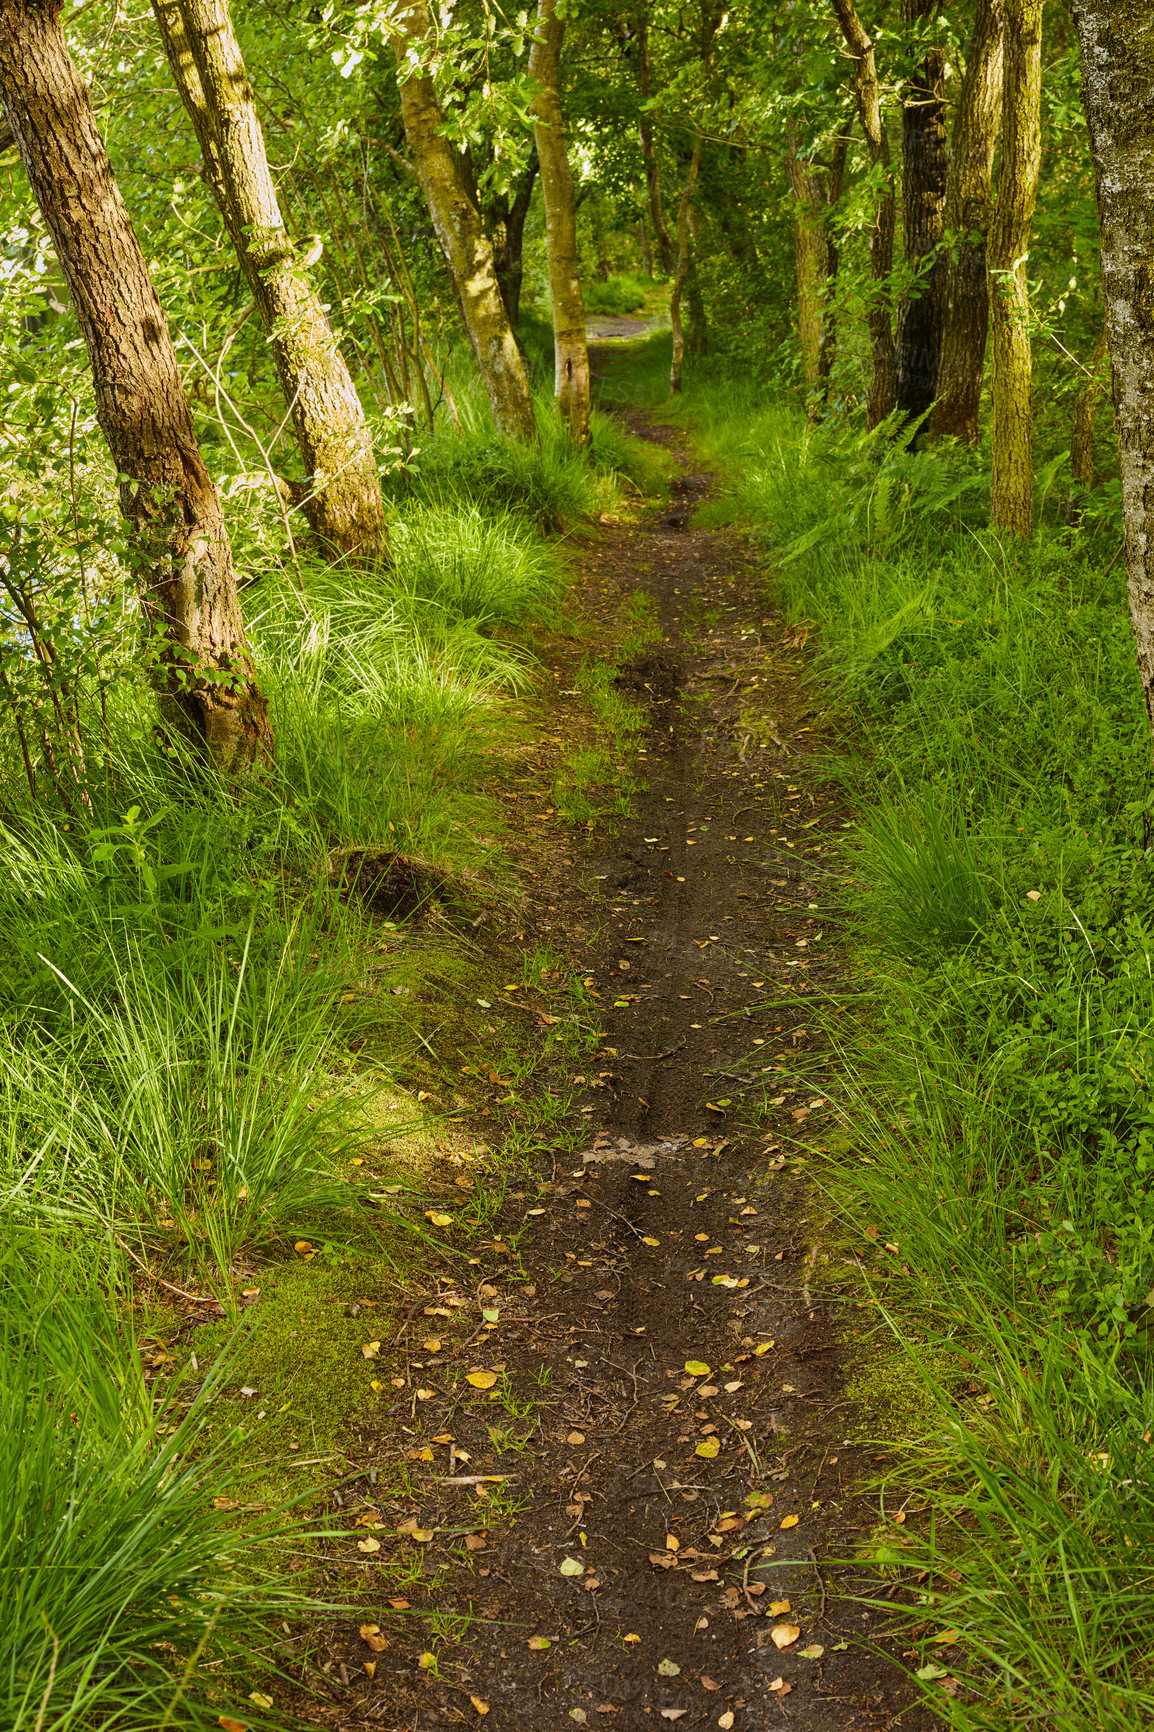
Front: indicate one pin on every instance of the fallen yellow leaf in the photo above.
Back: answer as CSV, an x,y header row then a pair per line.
x,y
438,1218
784,1634
369,1545
432,1345
709,1450
946,1636
481,1707
673,1543
697,1368
481,1379
790,1521
648,1240
370,1349
778,1608
259,1699
539,1643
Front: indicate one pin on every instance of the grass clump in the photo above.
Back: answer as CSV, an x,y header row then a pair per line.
x,y
129,1596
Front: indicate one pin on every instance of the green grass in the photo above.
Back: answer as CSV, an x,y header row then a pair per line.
x,y
128,1597
1000,1126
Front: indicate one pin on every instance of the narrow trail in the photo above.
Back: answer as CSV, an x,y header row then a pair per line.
x,y
689,1474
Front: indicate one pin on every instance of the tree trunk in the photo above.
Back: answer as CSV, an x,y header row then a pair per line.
x,y
646,249
815,191
919,336
342,499
1085,411
570,352
509,241
201,663
1011,497
1117,42
675,368
967,222
881,241
468,253
649,152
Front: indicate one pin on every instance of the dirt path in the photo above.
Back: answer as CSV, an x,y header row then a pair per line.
x,y
670,1405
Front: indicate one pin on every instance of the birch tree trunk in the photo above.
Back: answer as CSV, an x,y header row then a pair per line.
x,y
342,497
967,222
570,351
1012,489
919,335
1117,42
881,240
201,663
457,221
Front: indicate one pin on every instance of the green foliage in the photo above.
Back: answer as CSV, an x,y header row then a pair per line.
x,y
622,294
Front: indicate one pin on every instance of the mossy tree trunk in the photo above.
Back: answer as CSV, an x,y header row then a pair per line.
x,y
966,312
917,347
342,495
201,665
881,241
1117,42
1012,489
570,350
816,188
677,363
457,222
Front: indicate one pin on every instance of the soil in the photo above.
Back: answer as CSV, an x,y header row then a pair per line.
x,y
669,1411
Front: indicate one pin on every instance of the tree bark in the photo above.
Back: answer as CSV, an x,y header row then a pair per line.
x,y
342,497
967,222
570,350
646,249
1011,496
201,663
467,250
815,190
657,220
677,363
509,240
881,242
1117,42
917,348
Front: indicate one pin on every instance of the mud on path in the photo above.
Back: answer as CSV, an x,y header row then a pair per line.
x,y
670,1406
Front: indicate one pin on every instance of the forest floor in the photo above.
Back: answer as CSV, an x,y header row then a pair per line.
x,y
675,1450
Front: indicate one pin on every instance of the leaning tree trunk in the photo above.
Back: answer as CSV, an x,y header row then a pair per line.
x,y
657,220
677,362
969,205
881,241
200,661
1117,42
570,351
1012,488
457,222
342,496
919,336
